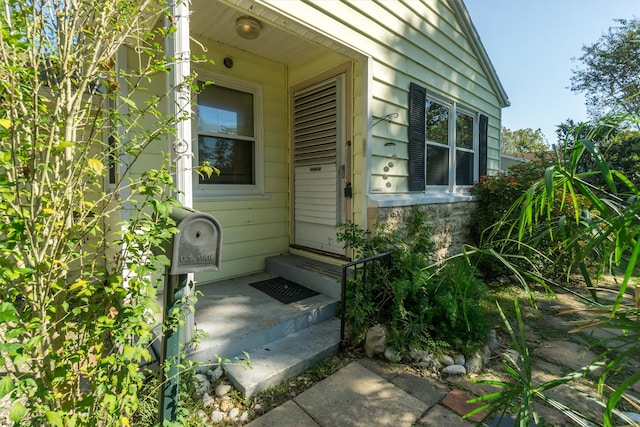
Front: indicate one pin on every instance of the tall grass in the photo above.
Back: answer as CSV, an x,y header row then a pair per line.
x,y
602,233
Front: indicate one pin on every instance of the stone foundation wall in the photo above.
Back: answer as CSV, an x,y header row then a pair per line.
x,y
451,223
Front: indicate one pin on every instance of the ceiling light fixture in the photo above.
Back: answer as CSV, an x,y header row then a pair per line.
x,y
248,27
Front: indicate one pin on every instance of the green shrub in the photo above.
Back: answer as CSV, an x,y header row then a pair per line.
x,y
497,193
603,229
424,305
498,216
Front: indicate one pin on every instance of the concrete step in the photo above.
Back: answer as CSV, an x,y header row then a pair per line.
x,y
236,327
317,275
273,363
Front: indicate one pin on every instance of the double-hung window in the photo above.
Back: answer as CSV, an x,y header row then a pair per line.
x,y
227,138
445,144
465,154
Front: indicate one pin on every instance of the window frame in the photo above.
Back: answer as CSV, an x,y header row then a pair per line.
x,y
474,146
432,142
454,108
215,191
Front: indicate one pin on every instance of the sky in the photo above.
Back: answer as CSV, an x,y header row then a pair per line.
x,y
532,44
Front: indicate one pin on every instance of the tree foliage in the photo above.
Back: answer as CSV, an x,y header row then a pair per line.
x,y
523,141
76,300
618,145
569,132
610,72
598,222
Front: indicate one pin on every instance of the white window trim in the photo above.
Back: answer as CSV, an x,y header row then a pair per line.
x,y
476,148
233,191
452,188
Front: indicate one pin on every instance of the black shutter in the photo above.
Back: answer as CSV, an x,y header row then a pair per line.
x,y
417,136
483,128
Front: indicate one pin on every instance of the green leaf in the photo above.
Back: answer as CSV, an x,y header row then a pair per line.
x,y
10,348
601,162
95,165
54,419
7,312
6,386
17,412
110,401
20,359
128,101
163,260
13,333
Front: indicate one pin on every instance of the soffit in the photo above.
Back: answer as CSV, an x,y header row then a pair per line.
x,y
280,39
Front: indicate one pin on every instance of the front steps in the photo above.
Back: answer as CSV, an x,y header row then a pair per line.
x,y
281,340
317,275
285,358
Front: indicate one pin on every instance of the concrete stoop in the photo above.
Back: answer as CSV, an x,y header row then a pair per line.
x,y
273,363
270,323
281,340
319,276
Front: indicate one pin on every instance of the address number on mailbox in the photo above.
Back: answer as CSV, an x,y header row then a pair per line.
x,y
196,246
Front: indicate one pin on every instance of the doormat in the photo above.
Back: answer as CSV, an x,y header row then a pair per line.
x,y
283,290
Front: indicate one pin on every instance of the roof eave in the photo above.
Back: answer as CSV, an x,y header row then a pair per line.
x,y
465,19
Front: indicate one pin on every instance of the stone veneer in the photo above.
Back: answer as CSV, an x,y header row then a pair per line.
x,y
451,223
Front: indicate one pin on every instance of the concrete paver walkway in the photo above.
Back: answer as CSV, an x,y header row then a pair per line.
x,y
371,392
358,396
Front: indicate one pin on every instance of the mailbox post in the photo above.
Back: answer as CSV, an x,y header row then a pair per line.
x,y
195,248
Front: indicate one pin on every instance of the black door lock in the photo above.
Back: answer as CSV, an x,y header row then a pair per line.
x,y
348,191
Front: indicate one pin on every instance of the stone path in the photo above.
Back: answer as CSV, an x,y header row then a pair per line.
x,y
371,392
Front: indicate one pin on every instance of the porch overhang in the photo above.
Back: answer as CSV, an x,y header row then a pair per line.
x,y
283,38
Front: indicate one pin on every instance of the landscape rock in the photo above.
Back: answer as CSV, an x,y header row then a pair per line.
x,y
234,414
215,374
258,409
244,416
447,360
492,341
222,389
419,355
475,363
208,401
202,384
202,415
454,370
486,355
426,362
217,417
375,341
226,405
392,355
511,354
458,359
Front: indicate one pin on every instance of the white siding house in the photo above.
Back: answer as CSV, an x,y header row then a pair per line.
x,y
337,111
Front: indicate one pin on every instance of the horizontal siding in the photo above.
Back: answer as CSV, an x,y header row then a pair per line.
x,y
409,41
253,228
235,267
153,154
311,67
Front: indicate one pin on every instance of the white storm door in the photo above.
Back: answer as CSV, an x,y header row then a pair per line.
x,y
318,130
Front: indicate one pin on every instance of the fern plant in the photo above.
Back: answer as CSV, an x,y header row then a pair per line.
x,y
424,305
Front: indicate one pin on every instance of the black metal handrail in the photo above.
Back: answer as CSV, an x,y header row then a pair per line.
x,y
343,293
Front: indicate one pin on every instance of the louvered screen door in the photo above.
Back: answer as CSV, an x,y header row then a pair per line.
x,y
318,126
